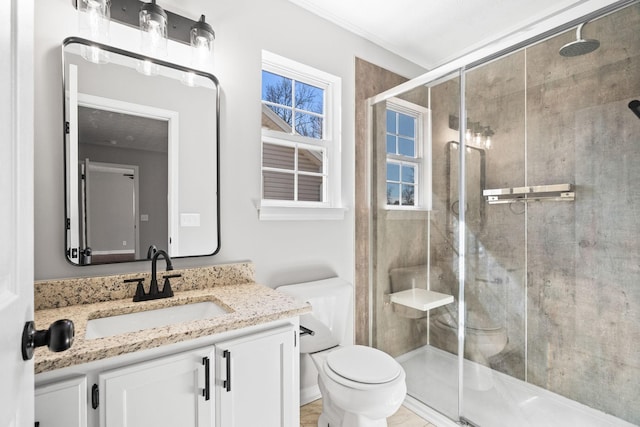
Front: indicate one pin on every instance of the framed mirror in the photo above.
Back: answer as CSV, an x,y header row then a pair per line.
x,y
141,156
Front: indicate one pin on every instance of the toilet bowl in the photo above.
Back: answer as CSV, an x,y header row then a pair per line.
x,y
360,386
480,343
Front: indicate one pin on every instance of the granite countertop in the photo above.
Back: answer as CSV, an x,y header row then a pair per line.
x,y
248,304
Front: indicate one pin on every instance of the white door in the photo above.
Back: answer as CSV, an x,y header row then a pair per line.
x,y
166,392
16,208
111,210
257,382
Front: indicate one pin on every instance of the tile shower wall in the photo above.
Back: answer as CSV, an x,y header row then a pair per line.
x,y
562,277
583,297
370,80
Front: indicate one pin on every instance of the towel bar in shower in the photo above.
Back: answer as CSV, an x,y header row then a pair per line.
x,y
556,192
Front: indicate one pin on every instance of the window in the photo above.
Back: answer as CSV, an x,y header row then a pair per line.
x,y
300,141
408,148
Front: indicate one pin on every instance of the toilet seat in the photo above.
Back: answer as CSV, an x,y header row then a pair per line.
x,y
361,367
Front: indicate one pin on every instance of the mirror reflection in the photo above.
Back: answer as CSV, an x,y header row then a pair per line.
x,y
141,158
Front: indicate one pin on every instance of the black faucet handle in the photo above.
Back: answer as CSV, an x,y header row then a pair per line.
x,y
171,276
167,292
140,294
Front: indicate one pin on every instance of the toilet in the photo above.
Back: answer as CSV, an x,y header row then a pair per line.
x,y
360,386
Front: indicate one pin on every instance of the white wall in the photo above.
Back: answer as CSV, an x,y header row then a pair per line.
x,y
283,251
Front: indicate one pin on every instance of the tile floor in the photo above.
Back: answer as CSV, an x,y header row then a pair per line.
x,y
310,412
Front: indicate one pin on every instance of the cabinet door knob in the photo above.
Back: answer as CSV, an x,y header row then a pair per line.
x,y
58,337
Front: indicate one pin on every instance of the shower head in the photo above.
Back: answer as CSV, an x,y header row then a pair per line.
x,y
635,107
580,46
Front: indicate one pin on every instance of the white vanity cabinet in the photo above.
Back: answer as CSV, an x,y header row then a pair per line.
x,y
243,378
62,403
255,378
169,391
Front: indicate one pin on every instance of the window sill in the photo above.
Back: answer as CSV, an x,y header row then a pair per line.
x,y
291,213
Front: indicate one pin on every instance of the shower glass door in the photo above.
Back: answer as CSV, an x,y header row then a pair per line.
x,y
495,240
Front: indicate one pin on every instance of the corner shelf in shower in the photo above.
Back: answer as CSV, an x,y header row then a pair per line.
x,y
421,299
536,193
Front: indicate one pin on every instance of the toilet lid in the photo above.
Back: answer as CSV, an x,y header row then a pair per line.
x,y
363,364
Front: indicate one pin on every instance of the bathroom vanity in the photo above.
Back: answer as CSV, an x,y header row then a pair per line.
x,y
237,366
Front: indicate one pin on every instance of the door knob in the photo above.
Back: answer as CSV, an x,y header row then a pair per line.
x,y
58,337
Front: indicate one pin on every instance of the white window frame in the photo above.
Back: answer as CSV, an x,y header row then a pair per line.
x,y
330,145
423,159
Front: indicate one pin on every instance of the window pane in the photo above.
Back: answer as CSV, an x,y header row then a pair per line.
x,y
393,194
276,185
310,160
391,144
309,98
280,121
407,147
309,125
407,125
393,172
408,174
276,89
310,188
278,156
391,121
407,195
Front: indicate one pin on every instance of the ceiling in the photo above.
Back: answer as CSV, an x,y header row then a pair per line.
x,y
101,127
433,32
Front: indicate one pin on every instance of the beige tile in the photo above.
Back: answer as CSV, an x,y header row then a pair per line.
x,y
406,418
310,412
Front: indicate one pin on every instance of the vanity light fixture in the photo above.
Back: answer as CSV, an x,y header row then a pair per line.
x,y
153,29
201,38
477,135
93,20
156,25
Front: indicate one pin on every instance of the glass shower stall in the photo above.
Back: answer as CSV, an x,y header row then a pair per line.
x,y
505,229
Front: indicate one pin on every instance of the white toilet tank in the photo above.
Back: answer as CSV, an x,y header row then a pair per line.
x,y
332,303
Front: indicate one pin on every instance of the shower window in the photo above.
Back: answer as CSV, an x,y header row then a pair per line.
x,y
408,151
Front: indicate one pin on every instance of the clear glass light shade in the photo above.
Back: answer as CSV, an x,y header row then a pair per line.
x,y
94,17
202,37
153,28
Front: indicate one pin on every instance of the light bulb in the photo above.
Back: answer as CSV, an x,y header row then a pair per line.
x,y
487,143
153,30
201,37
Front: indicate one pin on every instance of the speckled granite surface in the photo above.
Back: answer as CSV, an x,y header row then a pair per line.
x,y
88,290
230,286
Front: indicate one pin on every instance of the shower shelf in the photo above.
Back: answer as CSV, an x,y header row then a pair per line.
x,y
421,299
556,192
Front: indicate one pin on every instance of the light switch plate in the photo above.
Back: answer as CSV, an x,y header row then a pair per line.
x,y
190,220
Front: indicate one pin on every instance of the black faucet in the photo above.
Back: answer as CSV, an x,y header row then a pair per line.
x,y
154,292
151,251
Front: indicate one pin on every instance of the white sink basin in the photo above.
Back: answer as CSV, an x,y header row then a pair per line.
x,y
123,323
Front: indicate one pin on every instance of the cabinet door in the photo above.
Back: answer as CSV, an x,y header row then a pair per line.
x,y
256,383
168,391
62,404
